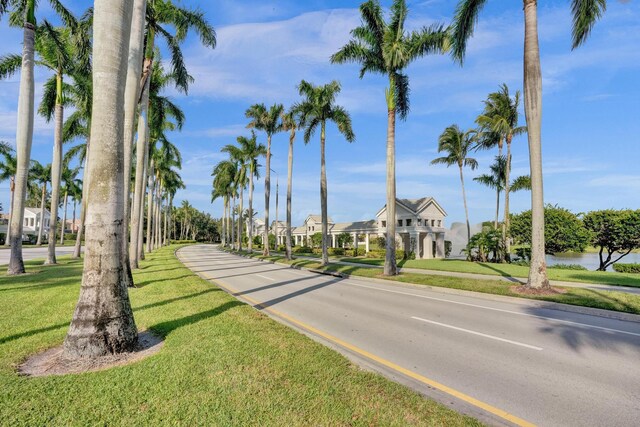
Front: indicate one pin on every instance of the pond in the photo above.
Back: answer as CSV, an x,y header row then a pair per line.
x,y
590,261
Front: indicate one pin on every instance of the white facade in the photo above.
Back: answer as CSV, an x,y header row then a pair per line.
x,y
32,221
420,228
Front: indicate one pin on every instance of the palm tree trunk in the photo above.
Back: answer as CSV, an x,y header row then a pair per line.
x,y
158,220
323,197
233,222
103,320
83,202
145,172
533,113
24,139
240,222
7,238
507,188
251,173
56,174
464,199
42,201
267,194
289,188
166,226
390,267
150,193
64,217
495,221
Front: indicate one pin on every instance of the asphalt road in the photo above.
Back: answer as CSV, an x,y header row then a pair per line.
x,y
34,253
502,361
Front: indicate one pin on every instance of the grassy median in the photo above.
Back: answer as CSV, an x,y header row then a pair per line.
x,y
608,300
223,363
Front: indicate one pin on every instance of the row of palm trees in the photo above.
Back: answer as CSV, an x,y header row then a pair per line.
x,y
316,108
106,65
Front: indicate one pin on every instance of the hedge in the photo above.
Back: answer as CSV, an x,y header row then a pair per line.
x,y
626,268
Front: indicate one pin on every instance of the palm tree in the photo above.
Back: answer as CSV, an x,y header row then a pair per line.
x,y
316,108
239,159
496,181
103,320
69,180
585,14
386,48
456,145
24,14
8,172
42,175
161,17
500,118
173,183
251,152
269,122
223,179
290,122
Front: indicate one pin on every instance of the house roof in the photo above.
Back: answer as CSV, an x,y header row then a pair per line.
x,y
36,211
354,226
318,218
416,206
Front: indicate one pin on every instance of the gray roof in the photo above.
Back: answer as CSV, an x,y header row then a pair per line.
x,y
416,205
354,226
318,218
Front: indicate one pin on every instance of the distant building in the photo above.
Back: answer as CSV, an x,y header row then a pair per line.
x,y
32,221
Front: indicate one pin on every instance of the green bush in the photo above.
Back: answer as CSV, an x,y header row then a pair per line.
x,y
302,250
627,268
282,248
70,236
336,251
375,254
568,267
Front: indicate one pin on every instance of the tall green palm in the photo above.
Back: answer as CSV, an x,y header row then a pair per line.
x,y
8,172
495,180
268,121
500,118
223,182
70,186
386,48
585,13
103,321
23,14
42,175
173,183
251,152
456,144
290,123
238,157
316,109
171,23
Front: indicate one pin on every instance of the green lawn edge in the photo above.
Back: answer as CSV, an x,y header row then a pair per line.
x,y
222,363
607,300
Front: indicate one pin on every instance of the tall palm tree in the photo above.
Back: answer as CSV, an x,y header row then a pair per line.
x,y
8,172
69,182
500,118
42,175
242,165
386,48
316,109
268,121
456,144
585,14
496,181
171,23
251,152
291,123
24,14
103,320
223,179
173,183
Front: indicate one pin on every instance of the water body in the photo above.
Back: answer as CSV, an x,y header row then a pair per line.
x,y
590,261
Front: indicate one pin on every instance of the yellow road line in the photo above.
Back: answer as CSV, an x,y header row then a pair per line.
x,y
420,378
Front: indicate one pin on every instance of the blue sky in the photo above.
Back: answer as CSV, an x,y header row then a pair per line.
x,y
591,110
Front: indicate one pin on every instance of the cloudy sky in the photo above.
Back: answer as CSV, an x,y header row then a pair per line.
x,y
591,113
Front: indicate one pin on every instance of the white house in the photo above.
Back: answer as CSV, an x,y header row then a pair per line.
x,y
32,221
420,228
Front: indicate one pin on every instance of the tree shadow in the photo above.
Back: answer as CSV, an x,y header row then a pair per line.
x,y
273,285
165,328
303,291
500,272
140,285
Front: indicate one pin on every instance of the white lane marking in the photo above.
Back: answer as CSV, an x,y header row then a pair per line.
x,y
265,277
532,347
585,325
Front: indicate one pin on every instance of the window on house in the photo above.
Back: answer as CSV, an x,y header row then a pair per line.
x,y
433,222
419,221
384,223
408,222
399,223
32,222
439,223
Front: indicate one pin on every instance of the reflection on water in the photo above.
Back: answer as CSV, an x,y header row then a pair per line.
x,y
590,261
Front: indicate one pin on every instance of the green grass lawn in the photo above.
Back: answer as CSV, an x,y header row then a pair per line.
x,y
460,266
608,300
223,363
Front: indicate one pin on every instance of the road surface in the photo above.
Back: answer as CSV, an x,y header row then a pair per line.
x,y
34,253
502,361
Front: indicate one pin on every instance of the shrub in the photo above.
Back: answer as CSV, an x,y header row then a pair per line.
x,y
627,268
448,246
282,248
568,267
336,251
381,242
399,254
302,250
375,254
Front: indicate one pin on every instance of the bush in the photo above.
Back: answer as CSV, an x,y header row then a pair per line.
x,y
282,248
627,268
375,254
302,250
336,251
448,246
70,236
381,242
568,267
521,263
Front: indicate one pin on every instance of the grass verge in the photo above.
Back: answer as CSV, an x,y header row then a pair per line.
x,y
223,363
510,270
607,300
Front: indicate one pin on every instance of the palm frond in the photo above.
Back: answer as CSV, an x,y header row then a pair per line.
x,y
585,14
464,21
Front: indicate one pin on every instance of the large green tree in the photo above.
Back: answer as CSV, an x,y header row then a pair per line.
x,y
613,232
42,175
291,123
316,109
387,48
251,151
585,13
8,173
456,145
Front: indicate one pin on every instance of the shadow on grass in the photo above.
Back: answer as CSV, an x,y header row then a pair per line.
x,y
140,285
165,328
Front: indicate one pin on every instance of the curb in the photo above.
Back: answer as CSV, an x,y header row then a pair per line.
x,y
616,315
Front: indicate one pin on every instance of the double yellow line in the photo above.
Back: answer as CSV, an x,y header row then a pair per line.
x,y
363,353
